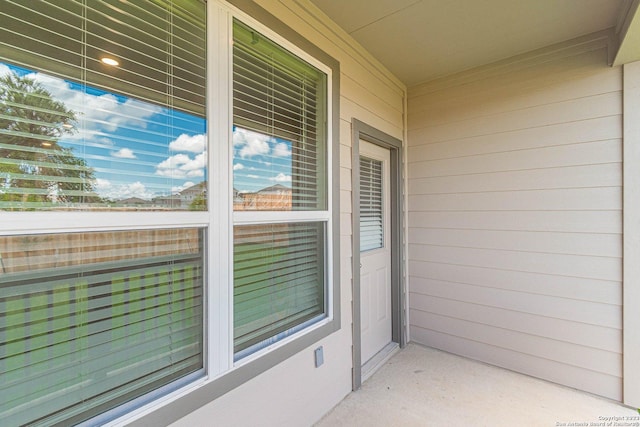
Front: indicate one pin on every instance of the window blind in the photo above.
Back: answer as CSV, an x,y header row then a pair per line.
x,y
89,321
76,133
278,280
371,193
160,46
280,163
279,95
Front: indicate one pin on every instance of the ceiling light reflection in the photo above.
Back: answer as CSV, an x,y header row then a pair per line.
x,y
109,61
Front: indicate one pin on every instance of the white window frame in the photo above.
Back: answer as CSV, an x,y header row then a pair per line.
x,y
221,373
270,217
239,218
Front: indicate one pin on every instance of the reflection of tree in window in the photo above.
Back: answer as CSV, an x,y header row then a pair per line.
x,y
34,168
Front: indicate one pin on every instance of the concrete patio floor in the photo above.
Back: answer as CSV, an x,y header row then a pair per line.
x,y
420,386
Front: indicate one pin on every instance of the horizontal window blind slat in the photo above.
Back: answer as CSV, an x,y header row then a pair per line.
x,y
278,279
133,32
115,143
108,360
74,338
278,95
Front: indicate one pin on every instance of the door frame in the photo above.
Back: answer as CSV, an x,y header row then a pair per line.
x,y
361,130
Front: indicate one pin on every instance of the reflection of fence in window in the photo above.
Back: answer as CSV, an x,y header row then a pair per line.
x,y
267,201
124,324
35,252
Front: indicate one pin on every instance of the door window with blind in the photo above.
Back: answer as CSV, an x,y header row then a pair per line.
x,y
371,211
280,157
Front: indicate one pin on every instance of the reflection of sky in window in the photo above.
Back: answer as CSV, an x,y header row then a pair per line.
x,y
136,148
259,161
144,150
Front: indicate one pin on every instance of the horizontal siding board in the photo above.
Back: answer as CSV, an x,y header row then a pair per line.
x,y
345,178
543,116
580,289
602,268
389,125
524,200
561,112
598,175
589,130
345,156
588,153
345,201
389,106
572,376
510,94
602,245
345,247
561,221
586,312
592,359
596,337
345,224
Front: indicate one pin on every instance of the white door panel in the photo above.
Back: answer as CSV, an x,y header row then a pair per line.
x,y
375,255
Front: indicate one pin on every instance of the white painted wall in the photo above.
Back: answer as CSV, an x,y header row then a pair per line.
x,y
515,215
295,393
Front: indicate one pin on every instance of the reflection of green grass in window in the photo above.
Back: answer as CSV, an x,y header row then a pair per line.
x,y
276,286
70,340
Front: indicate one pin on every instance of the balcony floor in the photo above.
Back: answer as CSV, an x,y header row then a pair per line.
x,y
420,386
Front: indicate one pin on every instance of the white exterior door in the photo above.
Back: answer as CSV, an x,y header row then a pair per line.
x,y
375,249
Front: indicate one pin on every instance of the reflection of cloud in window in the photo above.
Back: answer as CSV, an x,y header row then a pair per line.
x,y
98,112
253,176
4,70
122,191
112,130
124,153
281,150
281,178
104,111
251,143
254,147
105,142
179,188
238,166
182,166
190,143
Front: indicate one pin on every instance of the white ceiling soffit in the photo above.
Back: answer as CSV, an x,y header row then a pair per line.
x,y
420,40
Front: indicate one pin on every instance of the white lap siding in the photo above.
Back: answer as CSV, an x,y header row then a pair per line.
x,y
515,215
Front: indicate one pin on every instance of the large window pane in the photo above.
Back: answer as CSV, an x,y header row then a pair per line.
x,y
91,320
78,134
280,159
279,134
279,281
